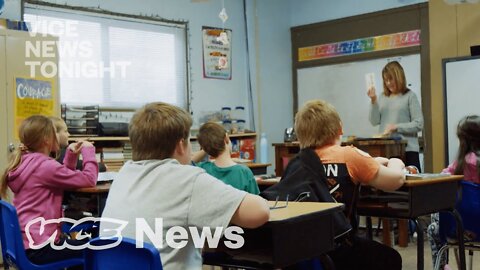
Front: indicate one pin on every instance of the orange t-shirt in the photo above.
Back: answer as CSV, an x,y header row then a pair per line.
x,y
361,167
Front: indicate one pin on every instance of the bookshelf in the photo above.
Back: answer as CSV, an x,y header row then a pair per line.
x,y
114,151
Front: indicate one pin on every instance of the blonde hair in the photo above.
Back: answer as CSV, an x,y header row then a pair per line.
x,y
156,128
32,134
393,70
211,138
317,124
58,122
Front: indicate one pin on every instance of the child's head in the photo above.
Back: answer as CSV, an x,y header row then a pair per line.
x,y
212,137
157,129
62,131
36,134
317,124
468,132
393,71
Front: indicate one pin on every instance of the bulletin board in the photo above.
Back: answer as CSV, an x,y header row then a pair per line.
x,y
461,86
32,96
217,53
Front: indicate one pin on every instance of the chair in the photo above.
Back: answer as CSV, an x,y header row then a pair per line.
x,y
468,206
13,251
124,256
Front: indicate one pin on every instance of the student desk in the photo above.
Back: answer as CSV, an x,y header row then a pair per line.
x,y
100,192
257,168
266,183
300,231
417,198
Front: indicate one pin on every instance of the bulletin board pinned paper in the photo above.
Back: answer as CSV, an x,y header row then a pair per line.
x,y
217,54
32,96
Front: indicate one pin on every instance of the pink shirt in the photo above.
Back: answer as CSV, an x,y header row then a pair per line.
x,y
38,184
470,172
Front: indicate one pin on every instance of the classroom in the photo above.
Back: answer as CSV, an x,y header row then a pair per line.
x,y
255,70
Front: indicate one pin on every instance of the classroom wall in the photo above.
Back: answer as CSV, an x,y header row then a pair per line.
x,y
313,11
453,29
272,77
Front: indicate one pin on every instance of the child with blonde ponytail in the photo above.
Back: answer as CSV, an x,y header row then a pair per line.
x,y
38,182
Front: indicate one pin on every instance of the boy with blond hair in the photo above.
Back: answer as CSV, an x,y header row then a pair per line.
x,y
214,140
160,183
318,126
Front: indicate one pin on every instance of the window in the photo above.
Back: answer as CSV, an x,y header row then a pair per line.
x,y
115,61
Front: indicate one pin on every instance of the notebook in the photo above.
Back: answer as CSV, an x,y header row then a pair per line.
x,y
106,176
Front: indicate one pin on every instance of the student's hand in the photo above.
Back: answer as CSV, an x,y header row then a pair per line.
x,y
396,163
372,94
87,144
389,129
381,160
75,147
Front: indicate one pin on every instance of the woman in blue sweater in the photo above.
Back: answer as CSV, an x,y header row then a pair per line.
x,y
397,110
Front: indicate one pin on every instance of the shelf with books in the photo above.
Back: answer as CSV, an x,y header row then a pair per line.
x,y
114,151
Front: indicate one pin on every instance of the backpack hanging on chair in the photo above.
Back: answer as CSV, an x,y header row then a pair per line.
x,y
304,179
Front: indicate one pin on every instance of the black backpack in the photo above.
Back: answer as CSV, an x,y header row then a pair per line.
x,y
304,179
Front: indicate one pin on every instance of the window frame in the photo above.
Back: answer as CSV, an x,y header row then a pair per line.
x,y
105,14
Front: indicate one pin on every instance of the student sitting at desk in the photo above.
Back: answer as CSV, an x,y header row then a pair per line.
x,y
62,137
159,182
318,126
214,140
468,164
38,182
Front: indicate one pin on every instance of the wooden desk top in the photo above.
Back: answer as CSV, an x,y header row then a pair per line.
x,y
267,182
99,188
256,165
297,209
434,180
362,142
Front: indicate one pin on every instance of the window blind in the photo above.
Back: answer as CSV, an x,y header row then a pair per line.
x,y
115,61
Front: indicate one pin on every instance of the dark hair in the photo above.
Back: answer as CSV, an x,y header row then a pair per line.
x,y
468,132
211,138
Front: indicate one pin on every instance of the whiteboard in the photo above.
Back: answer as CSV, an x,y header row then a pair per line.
x,y
344,86
462,97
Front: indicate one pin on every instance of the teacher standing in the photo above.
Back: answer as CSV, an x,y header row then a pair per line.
x,y
397,110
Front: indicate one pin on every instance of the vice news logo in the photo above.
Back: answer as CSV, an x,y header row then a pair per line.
x,y
83,54
176,237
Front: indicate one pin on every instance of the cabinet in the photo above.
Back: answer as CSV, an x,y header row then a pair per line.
x,y
24,88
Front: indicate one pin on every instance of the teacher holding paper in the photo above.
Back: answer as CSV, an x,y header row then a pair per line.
x,y
397,110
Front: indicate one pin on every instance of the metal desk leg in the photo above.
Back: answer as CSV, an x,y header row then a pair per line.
x,y
461,242
420,263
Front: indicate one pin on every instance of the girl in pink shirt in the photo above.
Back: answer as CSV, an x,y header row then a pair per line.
x,y
468,164
38,182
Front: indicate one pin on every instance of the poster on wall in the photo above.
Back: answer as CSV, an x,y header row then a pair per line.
x,y
217,53
32,96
